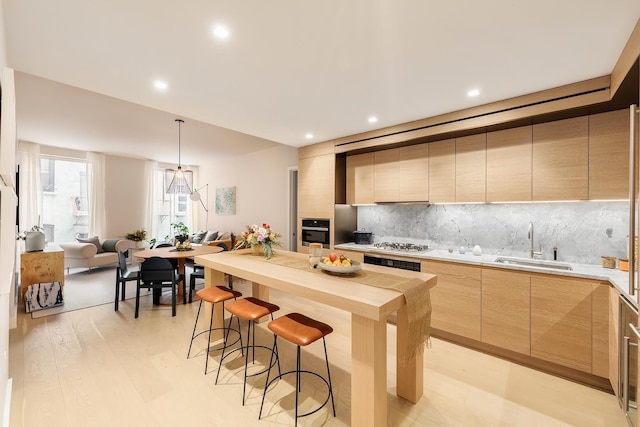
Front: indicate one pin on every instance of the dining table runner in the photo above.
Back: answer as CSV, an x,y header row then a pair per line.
x,y
415,292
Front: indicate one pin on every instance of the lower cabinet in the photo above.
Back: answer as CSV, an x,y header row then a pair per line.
x,y
506,310
456,299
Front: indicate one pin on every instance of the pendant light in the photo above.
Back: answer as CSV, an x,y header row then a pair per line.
x,y
180,182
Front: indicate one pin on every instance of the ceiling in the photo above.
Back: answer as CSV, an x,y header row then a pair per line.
x,y
86,69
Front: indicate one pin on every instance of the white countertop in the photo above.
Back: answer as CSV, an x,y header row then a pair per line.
x,y
620,279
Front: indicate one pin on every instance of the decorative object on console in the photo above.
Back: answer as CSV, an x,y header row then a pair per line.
x,y
179,181
226,201
138,236
259,238
34,239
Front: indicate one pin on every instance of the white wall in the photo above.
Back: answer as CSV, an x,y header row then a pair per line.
x,y
262,189
124,198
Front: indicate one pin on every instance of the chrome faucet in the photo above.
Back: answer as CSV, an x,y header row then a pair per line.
x,y
532,252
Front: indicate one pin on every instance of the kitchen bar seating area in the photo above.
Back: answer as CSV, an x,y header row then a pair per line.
x,y
80,365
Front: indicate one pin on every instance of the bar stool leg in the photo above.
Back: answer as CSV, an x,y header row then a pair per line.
x,y
326,358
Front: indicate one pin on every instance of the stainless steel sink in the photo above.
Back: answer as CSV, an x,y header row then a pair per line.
x,y
540,263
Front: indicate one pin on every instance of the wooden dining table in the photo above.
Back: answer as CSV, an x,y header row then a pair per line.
x,y
181,256
369,306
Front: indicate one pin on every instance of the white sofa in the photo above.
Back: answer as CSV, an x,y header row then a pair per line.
x,y
85,255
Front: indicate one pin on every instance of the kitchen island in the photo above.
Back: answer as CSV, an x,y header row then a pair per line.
x,y
370,308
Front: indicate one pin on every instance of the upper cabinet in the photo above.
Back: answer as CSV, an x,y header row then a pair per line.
x,y
509,155
442,171
471,168
360,181
609,155
386,169
561,160
402,174
414,173
316,186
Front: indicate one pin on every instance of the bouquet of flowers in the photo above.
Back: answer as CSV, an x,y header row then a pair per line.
x,y
136,236
260,236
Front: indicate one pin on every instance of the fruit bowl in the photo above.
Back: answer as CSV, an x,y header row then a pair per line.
x,y
335,269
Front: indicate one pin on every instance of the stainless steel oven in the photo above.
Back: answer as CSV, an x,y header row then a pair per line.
x,y
628,357
316,230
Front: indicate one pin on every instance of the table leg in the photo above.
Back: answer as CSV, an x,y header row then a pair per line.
x,y
409,376
182,285
368,372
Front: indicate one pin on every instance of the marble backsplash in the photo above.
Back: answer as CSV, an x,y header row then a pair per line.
x,y
581,231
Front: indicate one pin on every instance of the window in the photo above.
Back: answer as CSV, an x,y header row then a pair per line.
x,y
167,209
64,198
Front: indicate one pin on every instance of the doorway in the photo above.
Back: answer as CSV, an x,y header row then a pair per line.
x,y
293,209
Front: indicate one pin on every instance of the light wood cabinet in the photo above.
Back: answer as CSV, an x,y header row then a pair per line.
x,y
561,160
509,154
386,173
456,299
561,313
41,267
600,329
609,155
402,174
442,171
471,168
316,186
413,176
506,310
360,179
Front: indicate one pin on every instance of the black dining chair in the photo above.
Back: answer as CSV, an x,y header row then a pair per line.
x,y
198,273
174,262
157,273
124,274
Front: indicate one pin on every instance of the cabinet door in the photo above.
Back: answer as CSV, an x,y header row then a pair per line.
x,y
413,174
509,155
386,169
609,155
442,171
506,310
600,329
561,321
456,299
360,189
471,168
561,160
316,186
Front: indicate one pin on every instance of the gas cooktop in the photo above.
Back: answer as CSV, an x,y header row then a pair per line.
x,y
400,247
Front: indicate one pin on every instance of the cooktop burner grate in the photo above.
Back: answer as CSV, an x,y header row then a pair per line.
x,y
401,247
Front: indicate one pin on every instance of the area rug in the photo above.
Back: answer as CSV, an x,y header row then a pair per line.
x,y
84,288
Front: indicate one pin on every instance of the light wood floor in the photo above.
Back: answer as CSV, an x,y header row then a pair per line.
x,y
97,367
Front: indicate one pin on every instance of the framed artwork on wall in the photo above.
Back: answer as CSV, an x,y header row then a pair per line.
x,y
226,200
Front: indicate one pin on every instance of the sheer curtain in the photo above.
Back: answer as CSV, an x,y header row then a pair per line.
x,y
30,191
97,205
150,172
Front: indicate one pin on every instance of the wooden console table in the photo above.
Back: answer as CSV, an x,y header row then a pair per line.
x,y
41,267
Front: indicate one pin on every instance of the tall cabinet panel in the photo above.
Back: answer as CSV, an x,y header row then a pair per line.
x,y
561,160
609,155
316,186
414,173
360,181
442,171
471,168
509,155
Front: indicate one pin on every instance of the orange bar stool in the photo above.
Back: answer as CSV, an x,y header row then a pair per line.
x,y
251,309
215,295
300,330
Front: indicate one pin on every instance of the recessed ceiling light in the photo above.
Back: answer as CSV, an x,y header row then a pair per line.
x,y
221,32
309,136
160,85
473,92
373,119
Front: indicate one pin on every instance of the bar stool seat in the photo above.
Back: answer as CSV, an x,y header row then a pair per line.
x,y
251,309
215,295
301,331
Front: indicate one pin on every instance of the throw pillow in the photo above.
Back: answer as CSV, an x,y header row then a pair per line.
x,y
197,238
93,240
224,236
211,236
110,245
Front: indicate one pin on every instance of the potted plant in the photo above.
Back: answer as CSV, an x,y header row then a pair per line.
x,y
137,236
181,235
